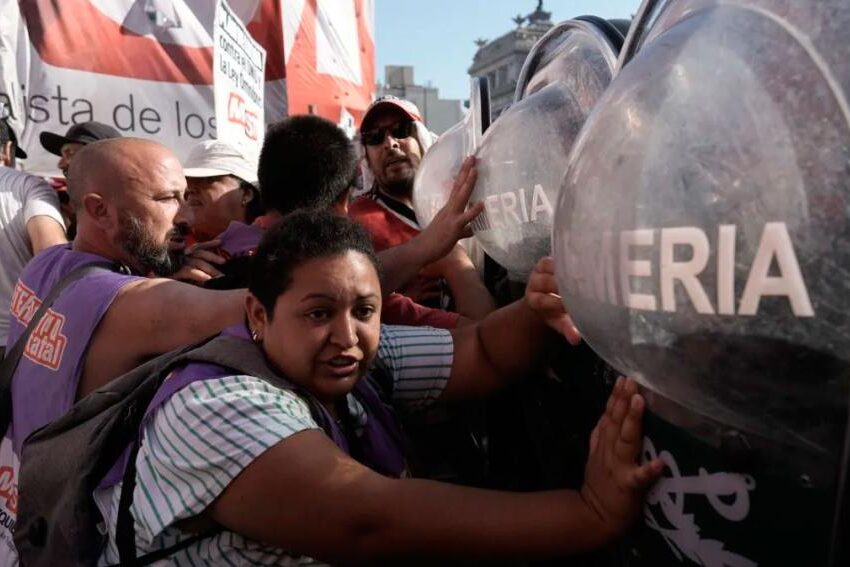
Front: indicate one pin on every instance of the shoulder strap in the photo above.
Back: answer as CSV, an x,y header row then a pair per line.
x,y
240,356
125,529
10,363
230,352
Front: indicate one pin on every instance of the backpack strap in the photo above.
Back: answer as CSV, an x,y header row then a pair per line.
x,y
243,357
10,362
125,530
229,352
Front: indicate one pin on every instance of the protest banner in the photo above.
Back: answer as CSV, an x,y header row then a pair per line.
x,y
239,63
146,67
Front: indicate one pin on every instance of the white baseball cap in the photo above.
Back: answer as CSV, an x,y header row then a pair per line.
x,y
212,158
407,108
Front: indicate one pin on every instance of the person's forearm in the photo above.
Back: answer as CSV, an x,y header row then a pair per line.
x,y
198,313
431,519
514,339
43,232
472,300
402,263
507,345
228,309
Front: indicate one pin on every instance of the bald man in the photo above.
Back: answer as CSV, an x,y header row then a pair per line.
x,y
128,194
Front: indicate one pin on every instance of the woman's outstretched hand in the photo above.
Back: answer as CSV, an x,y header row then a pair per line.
x,y
614,482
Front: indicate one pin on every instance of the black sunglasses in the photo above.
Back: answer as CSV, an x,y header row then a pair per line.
x,y
398,131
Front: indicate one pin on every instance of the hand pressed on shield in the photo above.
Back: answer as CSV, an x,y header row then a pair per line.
x,y
451,223
541,293
614,482
402,263
199,263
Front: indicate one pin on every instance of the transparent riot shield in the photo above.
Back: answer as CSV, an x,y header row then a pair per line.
x,y
702,245
522,156
436,174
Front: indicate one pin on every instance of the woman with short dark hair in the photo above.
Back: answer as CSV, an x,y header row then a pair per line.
x,y
321,470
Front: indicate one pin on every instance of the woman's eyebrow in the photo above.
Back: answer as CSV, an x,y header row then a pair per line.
x,y
329,297
310,296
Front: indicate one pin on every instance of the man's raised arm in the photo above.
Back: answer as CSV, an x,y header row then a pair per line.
x,y
153,316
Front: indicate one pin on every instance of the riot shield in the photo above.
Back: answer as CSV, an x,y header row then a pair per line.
x,y
522,156
702,246
436,174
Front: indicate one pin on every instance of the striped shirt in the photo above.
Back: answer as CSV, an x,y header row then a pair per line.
x,y
208,432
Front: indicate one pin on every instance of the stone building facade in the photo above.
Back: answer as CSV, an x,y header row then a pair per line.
x,y
501,59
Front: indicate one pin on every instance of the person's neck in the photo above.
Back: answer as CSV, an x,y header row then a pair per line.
x,y
100,245
406,199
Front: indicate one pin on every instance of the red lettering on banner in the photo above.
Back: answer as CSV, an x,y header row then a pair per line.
x,y
251,120
9,488
24,303
238,114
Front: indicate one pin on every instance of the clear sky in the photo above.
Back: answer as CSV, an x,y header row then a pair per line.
x,y
436,36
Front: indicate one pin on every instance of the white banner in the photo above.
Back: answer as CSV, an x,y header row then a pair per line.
x,y
239,64
143,67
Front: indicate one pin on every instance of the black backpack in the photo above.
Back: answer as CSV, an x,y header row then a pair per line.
x,y
63,463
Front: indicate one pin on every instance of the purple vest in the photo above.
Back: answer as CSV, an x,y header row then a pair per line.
x,y
381,444
240,239
45,384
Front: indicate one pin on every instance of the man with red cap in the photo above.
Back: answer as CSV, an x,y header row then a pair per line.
x,y
395,139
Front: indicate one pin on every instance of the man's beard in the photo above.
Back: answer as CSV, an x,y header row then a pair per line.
x,y
142,248
398,188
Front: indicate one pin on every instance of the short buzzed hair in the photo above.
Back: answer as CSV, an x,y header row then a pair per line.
x,y
110,164
307,162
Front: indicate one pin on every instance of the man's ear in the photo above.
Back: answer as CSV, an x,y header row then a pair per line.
x,y
7,154
340,208
257,315
96,208
247,196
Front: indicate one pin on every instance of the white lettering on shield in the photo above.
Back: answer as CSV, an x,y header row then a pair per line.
x,y
727,493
